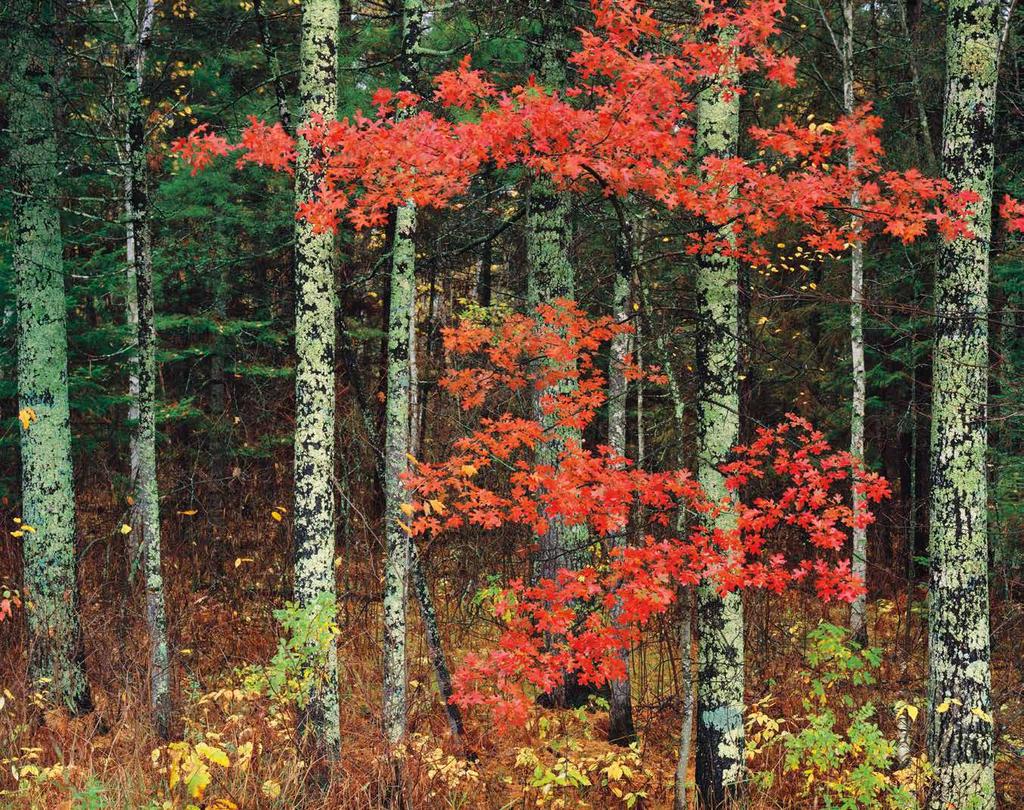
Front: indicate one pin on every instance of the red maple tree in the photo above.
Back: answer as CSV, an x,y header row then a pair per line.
x,y
492,478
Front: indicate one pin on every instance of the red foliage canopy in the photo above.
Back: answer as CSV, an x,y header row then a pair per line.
x,y
626,127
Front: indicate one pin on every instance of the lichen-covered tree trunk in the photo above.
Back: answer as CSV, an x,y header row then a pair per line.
x,y
396,448
138,24
55,652
550,277
620,728
315,585
960,733
719,620
858,609
398,417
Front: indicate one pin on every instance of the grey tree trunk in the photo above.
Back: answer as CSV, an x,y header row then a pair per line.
x,y
960,734
858,609
315,584
396,449
138,25
621,729
399,417
686,691
55,653
720,764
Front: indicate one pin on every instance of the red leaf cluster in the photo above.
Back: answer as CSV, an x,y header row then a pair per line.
x,y
492,479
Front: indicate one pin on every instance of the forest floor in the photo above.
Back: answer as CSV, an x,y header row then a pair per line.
x,y
232,748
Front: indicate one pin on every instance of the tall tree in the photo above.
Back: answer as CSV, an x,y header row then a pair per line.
x,y
550,277
399,415
858,608
960,743
621,729
315,584
137,25
719,619
55,654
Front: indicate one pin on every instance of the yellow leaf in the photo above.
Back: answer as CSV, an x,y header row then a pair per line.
x,y
243,756
126,529
439,506
614,771
407,509
198,780
213,754
468,470
27,528
977,712
17,533
271,789
27,417
222,804
912,712
240,560
276,515
188,512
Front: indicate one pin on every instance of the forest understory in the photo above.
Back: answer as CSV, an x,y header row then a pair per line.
x,y
110,758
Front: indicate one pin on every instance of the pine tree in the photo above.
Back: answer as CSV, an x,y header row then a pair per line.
x,y
315,585
960,738
55,653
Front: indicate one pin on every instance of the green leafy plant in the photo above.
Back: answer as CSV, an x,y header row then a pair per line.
x,y
844,759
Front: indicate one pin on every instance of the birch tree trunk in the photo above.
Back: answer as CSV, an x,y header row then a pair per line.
x,y
55,651
858,609
621,729
315,584
960,734
720,765
138,26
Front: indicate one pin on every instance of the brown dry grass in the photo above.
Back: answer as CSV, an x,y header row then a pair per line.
x,y
217,627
